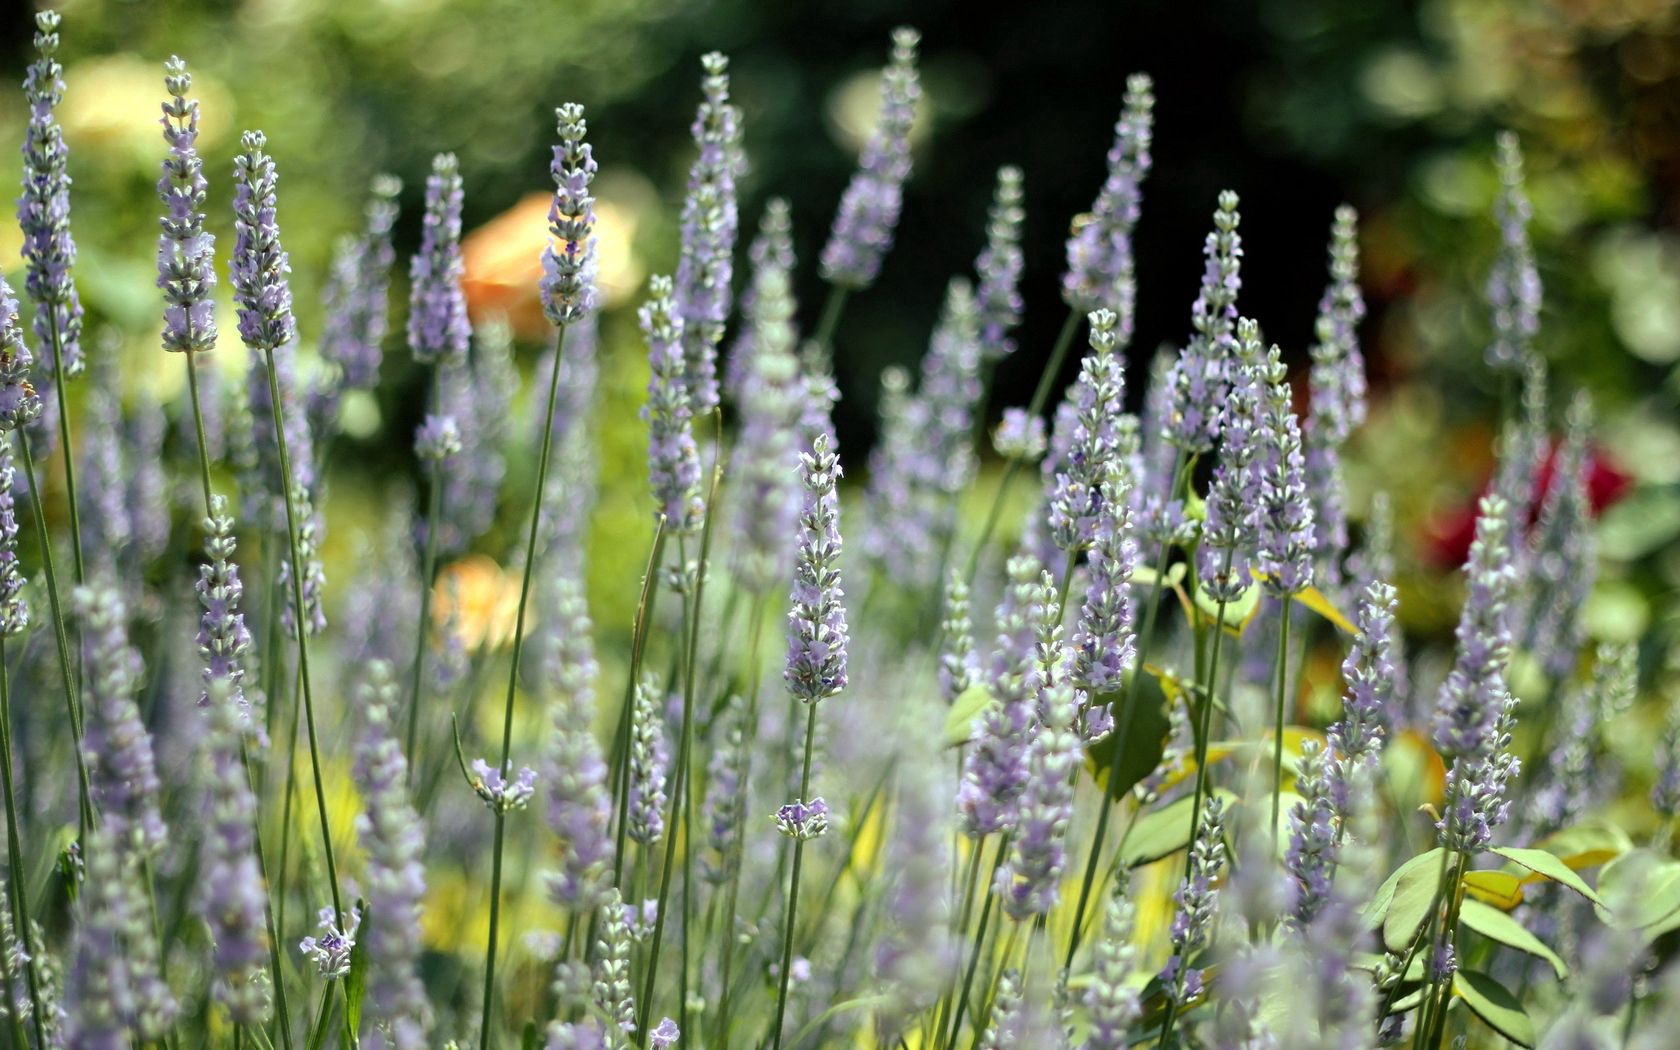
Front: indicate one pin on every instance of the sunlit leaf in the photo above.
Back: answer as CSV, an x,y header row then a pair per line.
x,y
1501,889
1495,925
1641,890
1495,1005
1377,909
1413,895
1238,612
1162,832
1542,863
1587,845
959,720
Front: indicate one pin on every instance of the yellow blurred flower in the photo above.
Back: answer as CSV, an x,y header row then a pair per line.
x,y
115,102
478,599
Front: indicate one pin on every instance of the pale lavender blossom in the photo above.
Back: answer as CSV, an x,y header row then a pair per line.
x,y
1076,474
260,267
728,782
121,765
107,514
710,224
998,268
1020,435
1368,698
673,458
223,639
1201,377
1338,394
117,994
472,479
330,952
43,211
497,792
356,308
1230,532
20,404
186,253
914,959
14,606
1513,285
802,820
1563,556
1104,644
1522,447
611,993
771,251
817,633
1111,1002
959,666
438,329
232,898
1286,543
1468,706
574,771
1313,853
1101,269
650,761
568,284
869,209
147,483
1196,897
995,770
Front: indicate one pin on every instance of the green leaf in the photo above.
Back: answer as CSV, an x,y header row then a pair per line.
x,y
1163,832
1495,1005
1377,910
1413,895
1145,737
530,1038
1587,845
1641,890
1237,613
1495,925
1545,864
355,983
959,720
1501,889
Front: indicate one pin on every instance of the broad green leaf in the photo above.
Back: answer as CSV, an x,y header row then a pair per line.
x,y
1495,1005
1237,613
1542,863
1145,731
1163,832
1641,890
1501,889
959,720
1413,895
1144,576
1407,1002
1495,925
1586,845
1377,909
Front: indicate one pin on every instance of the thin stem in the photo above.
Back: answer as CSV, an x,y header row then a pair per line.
x,y
282,1011
621,745
72,699
198,427
829,322
301,632
737,860
1206,724
1052,369
65,444
14,853
484,1039
1282,696
793,883
979,942
428,566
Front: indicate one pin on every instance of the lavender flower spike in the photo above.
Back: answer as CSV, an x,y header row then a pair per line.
x,y
1338,392
816,655
1100,265
1230,533
438,329
232,897
1111,1002
1286,515
650,760
998,269
14,607
1368,701
43,211
710,223
1200,377
568,284
1030,879
1513,286
1312,855
673,459
223,639
399,1015
864,225
260,267
579,806
19,403
1564,554
356,298
1103,643
1470,699
186,253
116,990
122,767
995,771
959,668
1076,477
1196,897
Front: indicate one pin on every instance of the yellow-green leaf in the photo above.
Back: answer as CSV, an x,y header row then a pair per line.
x,y
1544,864
1495,1005
1377,909
959,720
1501,889
1495,925
1587,845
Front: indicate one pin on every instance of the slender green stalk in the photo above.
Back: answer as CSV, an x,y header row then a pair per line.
x,y
14,852
301,633
979,942
485,1041
198,428
64,444
620,765
793,884
1052,369
72,698
1282,697
829,322
428,566
732,897
1206,725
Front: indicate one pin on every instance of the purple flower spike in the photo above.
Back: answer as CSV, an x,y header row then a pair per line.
x,y
650,761
771,252
232,900
998,269
1100,265
1286,515
1197,896
260,267
1563,553
1368,702
1087,449
1338,393
869,210
574,770
1513,286
673,459
816,655
223,639
710,224
43,211
19,402
1469,702
568,284
995,771
1103,644
1201,376
120,758
664,1035
803,820
497,792
14,608
358,290
330,952
438,329
1230,532
186,253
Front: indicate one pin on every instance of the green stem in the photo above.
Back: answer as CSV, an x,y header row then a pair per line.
x,y
14,852
282,1011
829,322
301,633
198,428
484,1040
1282,696
428,566
793,883
621,745
72,699
65,444
979,942
1052,369
755,678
